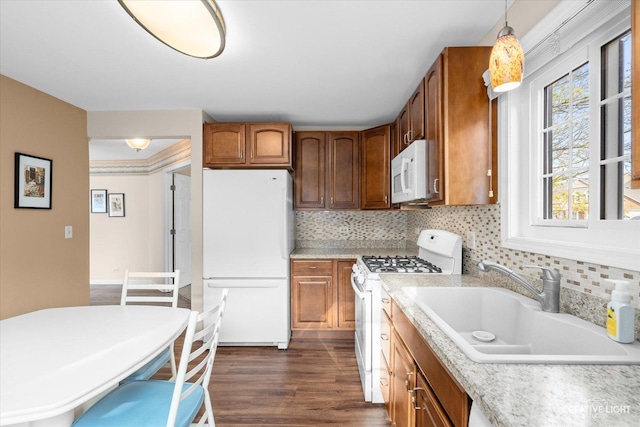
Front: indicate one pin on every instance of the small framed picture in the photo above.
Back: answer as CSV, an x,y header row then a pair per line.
x,y
116,204
32,182
98,201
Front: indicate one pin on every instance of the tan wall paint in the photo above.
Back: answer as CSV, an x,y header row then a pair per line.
x,y
39,268
120,243
135,242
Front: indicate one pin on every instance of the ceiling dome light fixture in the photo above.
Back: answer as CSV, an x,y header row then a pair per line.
x,y
506,63
138,143
195,28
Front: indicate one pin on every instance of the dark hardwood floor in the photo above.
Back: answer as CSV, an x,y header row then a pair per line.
x,y
312,383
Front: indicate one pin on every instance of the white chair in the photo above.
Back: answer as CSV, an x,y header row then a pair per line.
x,y
155,288
167,403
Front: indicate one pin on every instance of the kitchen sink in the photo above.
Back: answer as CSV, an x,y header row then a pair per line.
x,y
495,325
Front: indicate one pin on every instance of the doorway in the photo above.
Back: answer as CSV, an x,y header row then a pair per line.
x,y
178,221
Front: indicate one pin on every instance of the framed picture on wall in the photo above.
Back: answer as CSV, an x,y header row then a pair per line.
x,y
32,182
116,204
98,201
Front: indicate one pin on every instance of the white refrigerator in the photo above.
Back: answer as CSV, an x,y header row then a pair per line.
x,y
248,229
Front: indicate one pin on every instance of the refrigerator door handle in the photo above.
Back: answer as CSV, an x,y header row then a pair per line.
x,y
283,224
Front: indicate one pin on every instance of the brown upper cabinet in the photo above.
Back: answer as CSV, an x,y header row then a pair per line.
x,y
459,148
266,145
410,121
375,165
327,170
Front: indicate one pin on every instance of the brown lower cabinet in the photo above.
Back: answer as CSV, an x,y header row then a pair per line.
x,y
421,391
322,299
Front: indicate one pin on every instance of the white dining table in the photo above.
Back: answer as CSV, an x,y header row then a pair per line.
x,y
55,360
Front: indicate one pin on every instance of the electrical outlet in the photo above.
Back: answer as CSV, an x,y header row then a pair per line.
x,y
68,232
471,240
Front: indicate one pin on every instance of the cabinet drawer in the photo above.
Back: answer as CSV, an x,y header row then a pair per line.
x,y
385,335
312,268
386,303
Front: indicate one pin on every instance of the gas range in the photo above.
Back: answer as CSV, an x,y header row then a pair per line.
x,y
399,264
439,252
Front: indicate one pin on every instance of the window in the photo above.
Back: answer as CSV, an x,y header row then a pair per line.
x,y
566,162
616,200
565,173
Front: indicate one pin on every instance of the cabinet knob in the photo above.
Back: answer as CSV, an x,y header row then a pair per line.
x,y
384,337
384,382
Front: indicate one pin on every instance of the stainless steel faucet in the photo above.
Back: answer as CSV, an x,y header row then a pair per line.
x,y
549,298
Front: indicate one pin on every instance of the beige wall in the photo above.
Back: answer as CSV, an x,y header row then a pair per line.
x,y
39,268
137,241
164,124
119,243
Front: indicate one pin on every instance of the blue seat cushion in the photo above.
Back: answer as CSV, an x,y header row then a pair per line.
x,y
150,368
141,404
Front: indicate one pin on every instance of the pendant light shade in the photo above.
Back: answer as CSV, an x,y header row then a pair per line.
x,y
138,143
506,63
195,28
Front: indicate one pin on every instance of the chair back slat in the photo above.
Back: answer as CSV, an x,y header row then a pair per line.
x,y
201,356
145,287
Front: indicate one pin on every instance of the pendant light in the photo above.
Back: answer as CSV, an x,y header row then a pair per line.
x,y
506,63
195,28
138,143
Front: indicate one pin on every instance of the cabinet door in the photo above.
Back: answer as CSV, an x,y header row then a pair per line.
x,y
403,123
375,168
344,170
269,144
403,373
224,144
346,296
309,171
416,113
312,302
433,133
385,383
428,411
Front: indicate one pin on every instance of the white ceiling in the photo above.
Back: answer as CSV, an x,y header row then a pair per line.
x,y
316,64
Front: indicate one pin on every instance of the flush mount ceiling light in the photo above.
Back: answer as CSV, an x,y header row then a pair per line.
x,y
506,63
138,143
195,28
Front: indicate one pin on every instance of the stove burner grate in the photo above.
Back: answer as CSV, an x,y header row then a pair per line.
x,y
399,264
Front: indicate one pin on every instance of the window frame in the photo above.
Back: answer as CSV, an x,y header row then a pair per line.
x,y
607,242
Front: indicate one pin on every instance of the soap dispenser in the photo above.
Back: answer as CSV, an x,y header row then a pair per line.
x,y
620,314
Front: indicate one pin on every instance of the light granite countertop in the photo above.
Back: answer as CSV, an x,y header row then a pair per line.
x,y
527,395
311,253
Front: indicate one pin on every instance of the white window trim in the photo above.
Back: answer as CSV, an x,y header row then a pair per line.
x,y
611,243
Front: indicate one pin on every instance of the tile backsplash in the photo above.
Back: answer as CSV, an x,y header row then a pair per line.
x,y
585,291
351,229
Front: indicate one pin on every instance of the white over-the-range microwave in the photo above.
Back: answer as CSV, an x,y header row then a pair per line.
x,y
409,174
